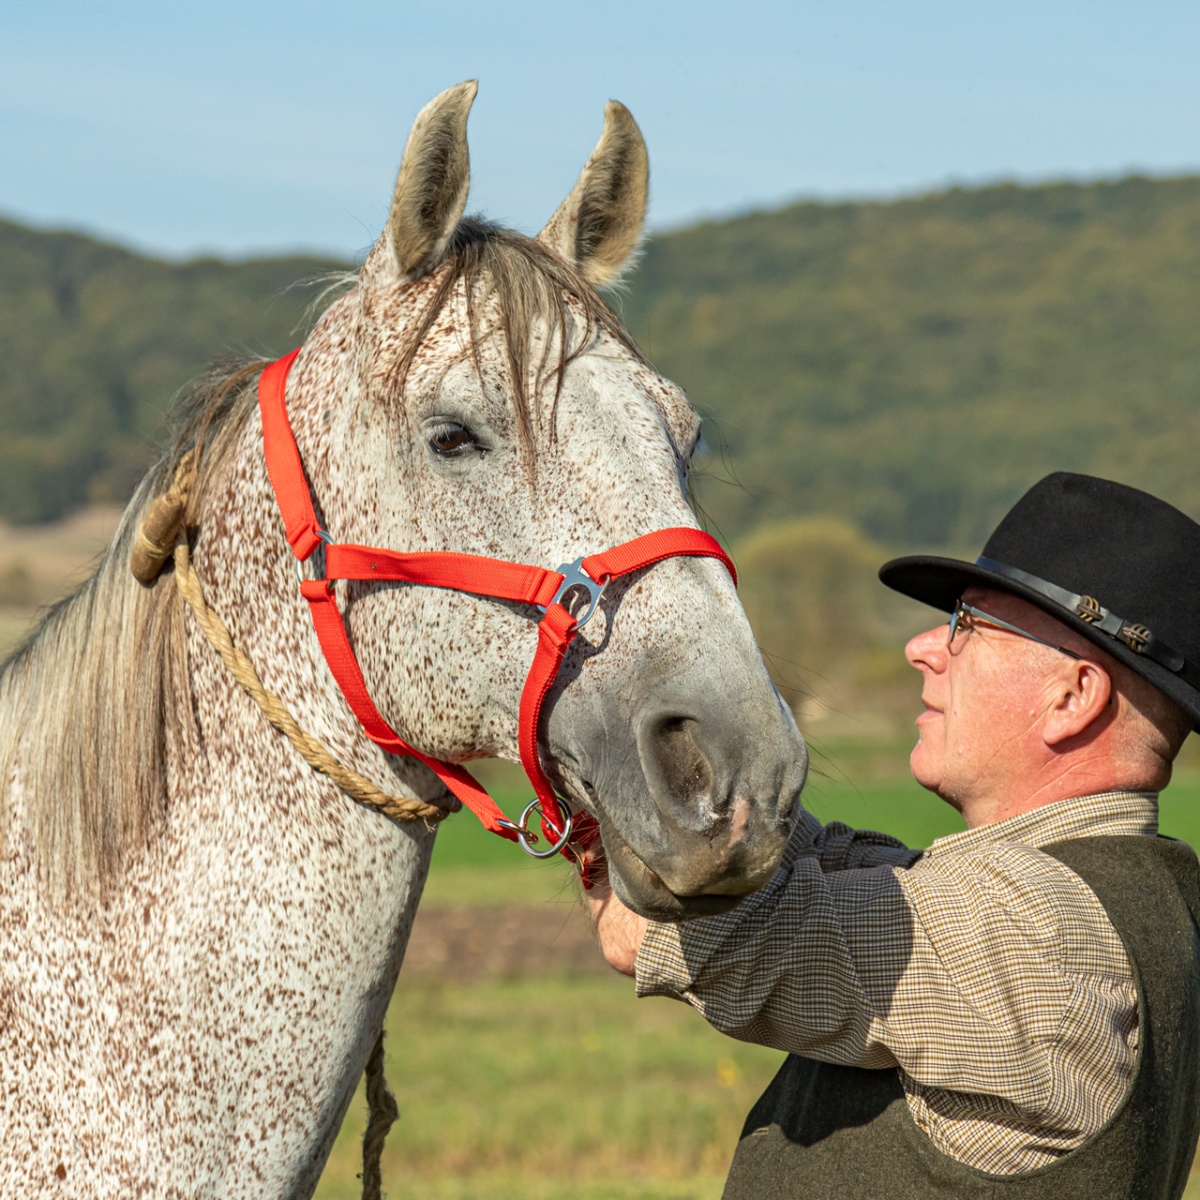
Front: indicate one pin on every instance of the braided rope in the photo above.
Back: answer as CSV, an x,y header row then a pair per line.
x,y
383,1113
399,808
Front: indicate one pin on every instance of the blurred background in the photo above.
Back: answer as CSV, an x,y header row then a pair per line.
x,y
904,259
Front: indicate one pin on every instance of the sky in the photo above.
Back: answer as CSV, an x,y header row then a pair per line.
x,y
240,127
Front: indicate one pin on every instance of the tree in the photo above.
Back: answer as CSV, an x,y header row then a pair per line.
x,y
810,589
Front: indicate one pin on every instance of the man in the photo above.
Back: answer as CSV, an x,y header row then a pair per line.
x,y
1015,1012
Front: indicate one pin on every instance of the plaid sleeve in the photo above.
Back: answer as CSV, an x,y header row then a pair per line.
x,y
838,847
992,979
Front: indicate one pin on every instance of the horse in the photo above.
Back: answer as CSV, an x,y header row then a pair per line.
x,y
200,932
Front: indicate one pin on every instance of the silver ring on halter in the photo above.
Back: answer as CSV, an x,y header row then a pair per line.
x,y
324,536
526,837
574,576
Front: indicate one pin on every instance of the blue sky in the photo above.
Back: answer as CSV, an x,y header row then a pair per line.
x,y
261,126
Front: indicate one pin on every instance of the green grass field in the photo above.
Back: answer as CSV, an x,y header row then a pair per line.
x,y
866,787
551,1087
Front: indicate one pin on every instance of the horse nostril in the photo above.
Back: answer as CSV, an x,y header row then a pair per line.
x,y
686,772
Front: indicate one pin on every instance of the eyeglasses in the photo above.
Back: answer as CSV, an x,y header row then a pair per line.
x,y
971,613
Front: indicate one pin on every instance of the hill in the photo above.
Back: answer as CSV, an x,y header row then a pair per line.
x,y
94,342
914,366
909,366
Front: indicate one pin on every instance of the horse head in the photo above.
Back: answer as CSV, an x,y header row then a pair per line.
x,y
475,393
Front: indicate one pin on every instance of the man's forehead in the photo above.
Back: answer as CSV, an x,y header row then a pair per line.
x,y
1005,603
1027,615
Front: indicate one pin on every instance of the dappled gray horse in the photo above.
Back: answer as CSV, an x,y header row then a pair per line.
x,y
199,933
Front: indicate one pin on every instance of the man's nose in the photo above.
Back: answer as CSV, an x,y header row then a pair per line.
x,y
928,650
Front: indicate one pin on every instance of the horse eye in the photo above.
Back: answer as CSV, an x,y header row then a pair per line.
x,y
451,439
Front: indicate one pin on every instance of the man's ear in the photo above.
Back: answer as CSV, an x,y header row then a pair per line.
x,y
1082,696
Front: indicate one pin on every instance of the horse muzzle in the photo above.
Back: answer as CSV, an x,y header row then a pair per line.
x,y
700,815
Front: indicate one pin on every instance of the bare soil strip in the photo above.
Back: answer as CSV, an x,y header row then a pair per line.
x,y
474,945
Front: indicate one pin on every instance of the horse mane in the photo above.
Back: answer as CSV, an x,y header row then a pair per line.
x,y
96,704
96,700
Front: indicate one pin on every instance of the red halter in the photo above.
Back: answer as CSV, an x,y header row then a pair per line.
x,y
537,586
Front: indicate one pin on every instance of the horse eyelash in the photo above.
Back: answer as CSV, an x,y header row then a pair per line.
x,y
472,444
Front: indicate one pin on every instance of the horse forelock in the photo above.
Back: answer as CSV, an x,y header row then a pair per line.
x,y
97,702
519,298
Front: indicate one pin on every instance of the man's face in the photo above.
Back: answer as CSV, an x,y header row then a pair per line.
x,y
984,698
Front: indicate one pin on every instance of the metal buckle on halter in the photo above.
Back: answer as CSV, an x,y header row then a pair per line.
x,y
574,576
323,535
526,837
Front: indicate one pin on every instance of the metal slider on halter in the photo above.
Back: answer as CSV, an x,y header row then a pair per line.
x,y
575,580
574,576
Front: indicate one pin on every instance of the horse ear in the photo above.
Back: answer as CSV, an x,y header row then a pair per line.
x,y
431,188
598,226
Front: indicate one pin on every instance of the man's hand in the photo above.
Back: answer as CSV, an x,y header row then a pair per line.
x,y
620,929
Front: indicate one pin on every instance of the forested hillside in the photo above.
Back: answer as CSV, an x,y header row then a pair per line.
x,y
94,341
914,366
910,366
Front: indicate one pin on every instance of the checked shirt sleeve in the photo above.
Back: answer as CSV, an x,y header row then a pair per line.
x,y
991,978
838,847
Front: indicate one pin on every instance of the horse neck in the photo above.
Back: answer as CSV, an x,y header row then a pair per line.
x,y
307,897
257,934
285,913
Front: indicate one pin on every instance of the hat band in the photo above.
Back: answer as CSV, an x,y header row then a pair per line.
x,y
1133,636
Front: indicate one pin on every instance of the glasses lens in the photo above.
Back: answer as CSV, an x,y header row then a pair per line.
x,y
954,619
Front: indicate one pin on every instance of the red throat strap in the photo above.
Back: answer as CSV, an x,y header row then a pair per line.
x,y
538,587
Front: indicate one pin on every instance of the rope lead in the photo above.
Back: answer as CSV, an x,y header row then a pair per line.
x,y
382,1114
399,808
156,539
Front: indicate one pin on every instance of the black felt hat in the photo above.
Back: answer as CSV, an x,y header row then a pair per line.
x,y
1113,563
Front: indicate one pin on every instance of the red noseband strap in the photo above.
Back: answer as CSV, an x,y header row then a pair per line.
x,y
536,586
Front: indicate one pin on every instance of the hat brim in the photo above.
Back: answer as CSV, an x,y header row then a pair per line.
x,y
940,583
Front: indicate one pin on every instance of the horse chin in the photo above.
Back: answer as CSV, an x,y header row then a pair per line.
x,y
642,890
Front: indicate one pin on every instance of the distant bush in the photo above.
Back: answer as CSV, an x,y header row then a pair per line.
x,y
16,586
810,589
